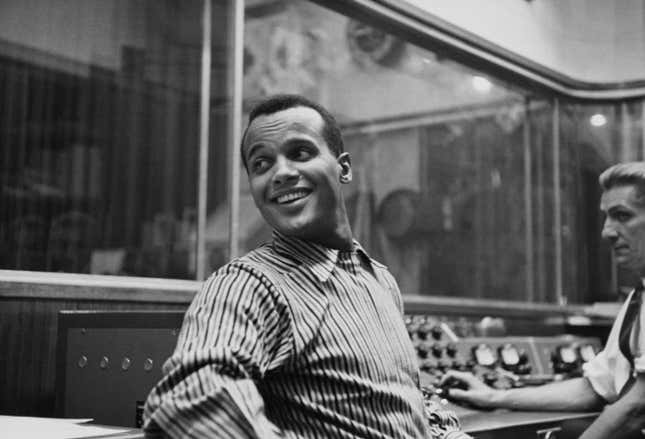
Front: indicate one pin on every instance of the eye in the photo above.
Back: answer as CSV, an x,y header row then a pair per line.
x,y
621,216
302,153
259,165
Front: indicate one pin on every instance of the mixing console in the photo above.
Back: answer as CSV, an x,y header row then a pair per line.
x,y
502,361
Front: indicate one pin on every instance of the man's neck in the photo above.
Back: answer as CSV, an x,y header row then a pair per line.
x,y
340,243
339,239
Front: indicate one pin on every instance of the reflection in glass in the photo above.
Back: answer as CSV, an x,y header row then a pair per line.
x,y
437,148
99,120
588,148
465,185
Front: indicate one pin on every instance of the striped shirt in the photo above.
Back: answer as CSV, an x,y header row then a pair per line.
x,y
292,340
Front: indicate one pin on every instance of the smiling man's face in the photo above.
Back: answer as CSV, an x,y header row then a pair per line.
x,y
624,226
294,177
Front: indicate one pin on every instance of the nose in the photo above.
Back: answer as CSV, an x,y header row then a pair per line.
x,y
284,172
608,230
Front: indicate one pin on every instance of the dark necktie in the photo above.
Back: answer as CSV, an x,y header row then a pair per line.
x,y
632,312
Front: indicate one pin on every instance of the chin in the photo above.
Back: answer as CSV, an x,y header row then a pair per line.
x,y
297,229
631,267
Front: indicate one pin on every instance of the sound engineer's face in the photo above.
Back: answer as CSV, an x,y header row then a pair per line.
x,y
624,225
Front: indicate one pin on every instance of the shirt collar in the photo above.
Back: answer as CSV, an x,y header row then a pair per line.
x,y
319,259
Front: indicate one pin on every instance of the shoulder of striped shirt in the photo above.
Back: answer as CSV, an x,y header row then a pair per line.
x,y
378,264
265,264
383,270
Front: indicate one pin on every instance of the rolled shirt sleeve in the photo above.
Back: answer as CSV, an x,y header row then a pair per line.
x,y
235,330
601,376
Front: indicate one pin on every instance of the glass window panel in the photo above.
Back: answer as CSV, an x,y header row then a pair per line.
x,y
454,186
453,182
594,136
539,193
99,123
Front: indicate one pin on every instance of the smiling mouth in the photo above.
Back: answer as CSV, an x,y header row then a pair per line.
x,y
291,196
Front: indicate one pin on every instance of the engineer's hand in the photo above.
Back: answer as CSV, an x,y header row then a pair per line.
x,y
466,387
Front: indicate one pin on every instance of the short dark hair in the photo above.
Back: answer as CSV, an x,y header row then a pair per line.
x,y
273,104
623,174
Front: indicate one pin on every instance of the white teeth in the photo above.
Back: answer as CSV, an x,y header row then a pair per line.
x,y
290,196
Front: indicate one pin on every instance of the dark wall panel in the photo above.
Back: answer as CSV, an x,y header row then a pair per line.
x,y
28,354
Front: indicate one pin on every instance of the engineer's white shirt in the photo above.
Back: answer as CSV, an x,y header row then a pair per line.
x,y
609,371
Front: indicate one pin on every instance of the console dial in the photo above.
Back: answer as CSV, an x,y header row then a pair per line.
x,y
587,352
484,355
509,355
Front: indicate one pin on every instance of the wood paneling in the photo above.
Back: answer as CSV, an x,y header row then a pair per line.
x,y
28,344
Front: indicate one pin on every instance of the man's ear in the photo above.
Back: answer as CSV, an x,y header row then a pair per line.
x,y
345,167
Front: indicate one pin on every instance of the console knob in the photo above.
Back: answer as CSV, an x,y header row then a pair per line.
x,y
436,332
451,350
437,350
412,327
509,355
430,328
564,358
586,352
422,351
422,332
82,361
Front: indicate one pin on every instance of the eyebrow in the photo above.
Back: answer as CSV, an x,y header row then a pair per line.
x,y
248,152
298,138
614,208
253,149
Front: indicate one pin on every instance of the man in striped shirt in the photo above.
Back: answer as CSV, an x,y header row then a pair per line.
x,y
302,337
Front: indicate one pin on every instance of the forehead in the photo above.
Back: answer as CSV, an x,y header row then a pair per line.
x,y
623,195
281,125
